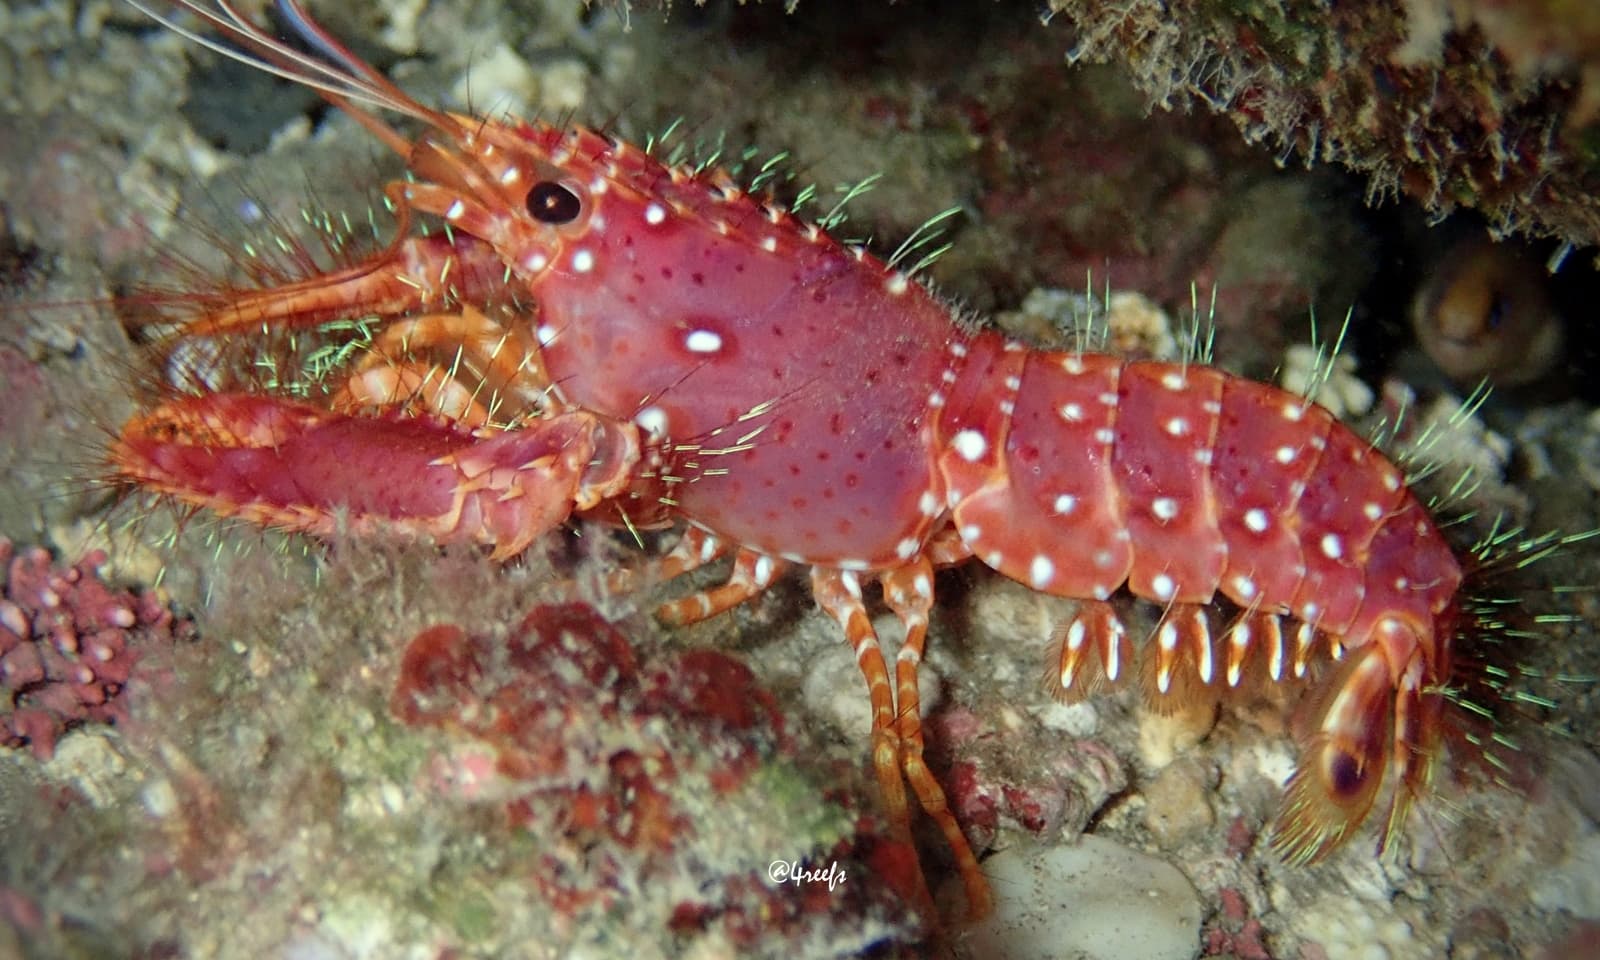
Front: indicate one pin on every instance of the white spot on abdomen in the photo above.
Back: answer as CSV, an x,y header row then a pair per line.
x,y
1041,572
970,445
1256,520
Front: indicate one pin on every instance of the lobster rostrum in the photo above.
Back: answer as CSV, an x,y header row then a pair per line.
x,y
650,345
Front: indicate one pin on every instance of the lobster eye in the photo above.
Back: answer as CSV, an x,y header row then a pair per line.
x,y
550,202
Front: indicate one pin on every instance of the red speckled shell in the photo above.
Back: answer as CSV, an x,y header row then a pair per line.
x,y
1077,473
793,371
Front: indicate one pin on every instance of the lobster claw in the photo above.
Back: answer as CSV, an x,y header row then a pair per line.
x,y
302,468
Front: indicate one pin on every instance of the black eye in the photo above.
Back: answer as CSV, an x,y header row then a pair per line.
x,y
550,202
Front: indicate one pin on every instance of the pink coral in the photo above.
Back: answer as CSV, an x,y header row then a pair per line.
x,y
68,645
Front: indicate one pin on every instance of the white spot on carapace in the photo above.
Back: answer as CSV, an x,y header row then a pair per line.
x,y
769,244
598,185
928,503
1372,511
1204,456
949,376
1309,611
1015,346
1102,559
1008,407
1065,503
1073,365
1332,546
1177,426
1320,442
1013,383
1401,583
455,211
534,262
1244,588
957,348
1174,380
1072,412
1297,490
971,445
703,341
1164,508
546,334
1256,520
1105,436
1293,411
1108,398
582,261
1102,592
1284,454
1212,407
652,420
970,533
907,548
935,399
994,559
1163,586
1041,572
1391,482
655,214
897,285
510,175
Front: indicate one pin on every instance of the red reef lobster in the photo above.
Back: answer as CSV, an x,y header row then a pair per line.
x,y
646,344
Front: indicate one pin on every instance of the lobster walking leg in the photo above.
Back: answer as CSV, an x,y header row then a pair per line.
x,y
752,574
838,592
503,368
908,591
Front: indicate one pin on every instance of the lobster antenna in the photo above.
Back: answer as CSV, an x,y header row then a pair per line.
x,y
346,80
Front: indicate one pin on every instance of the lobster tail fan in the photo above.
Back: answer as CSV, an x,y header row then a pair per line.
x,y
1344,759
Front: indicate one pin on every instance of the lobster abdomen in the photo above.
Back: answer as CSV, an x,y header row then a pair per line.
x,y
1078,473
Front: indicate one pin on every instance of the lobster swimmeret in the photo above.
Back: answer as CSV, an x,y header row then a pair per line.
x,y
601,335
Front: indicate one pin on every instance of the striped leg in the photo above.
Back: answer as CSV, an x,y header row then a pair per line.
x,y
752,574
838,592
908,591
694,549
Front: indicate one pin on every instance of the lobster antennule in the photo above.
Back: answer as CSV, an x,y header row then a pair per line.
x,y
344,79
